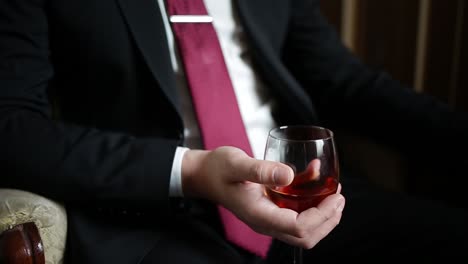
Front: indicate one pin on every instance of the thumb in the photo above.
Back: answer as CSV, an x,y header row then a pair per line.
x,y
267,172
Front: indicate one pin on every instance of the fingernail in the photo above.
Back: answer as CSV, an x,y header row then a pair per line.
x,y
340,205
278,177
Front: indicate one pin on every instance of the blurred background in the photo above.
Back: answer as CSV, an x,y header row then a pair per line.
x,y
422,43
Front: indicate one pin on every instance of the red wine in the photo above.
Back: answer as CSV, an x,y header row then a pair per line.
x,y
303,194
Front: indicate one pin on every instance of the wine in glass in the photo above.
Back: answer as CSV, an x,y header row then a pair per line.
x,y
310,152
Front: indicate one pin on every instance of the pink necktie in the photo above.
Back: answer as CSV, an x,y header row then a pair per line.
x,y
215,103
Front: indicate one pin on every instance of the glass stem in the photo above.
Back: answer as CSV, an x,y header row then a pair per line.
x,y
297,255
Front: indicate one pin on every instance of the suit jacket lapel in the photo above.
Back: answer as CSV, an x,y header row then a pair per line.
x,y
146,25
266,40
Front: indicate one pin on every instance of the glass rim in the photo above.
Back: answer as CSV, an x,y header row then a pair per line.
x,y
282,128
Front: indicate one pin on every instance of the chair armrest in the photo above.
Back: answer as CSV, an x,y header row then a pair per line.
x,y
19,209
21,244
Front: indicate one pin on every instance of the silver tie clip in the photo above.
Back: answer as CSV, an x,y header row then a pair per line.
x,y
191,19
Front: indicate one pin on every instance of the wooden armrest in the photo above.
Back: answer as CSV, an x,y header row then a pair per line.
x,y
21,244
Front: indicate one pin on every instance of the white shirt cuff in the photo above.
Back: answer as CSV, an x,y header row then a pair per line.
x,y
175,184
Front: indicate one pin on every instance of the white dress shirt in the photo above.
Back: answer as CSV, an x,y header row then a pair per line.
x,y
254,102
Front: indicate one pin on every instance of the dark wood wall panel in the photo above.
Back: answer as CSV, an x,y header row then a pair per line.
x,y
461,96
332,10
440,48
387,35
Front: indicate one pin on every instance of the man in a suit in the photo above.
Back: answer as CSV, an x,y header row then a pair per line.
x,y
95,112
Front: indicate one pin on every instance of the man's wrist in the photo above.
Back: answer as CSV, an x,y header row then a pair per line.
x,y
191,166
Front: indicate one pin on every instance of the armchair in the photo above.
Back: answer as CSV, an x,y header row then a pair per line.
x,y
33,228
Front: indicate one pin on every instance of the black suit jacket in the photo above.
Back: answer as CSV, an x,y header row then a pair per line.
x,y
89,111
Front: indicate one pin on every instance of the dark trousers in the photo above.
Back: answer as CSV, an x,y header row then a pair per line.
x,y
376,226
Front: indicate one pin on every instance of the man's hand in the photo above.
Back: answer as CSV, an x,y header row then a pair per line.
x,y
229,177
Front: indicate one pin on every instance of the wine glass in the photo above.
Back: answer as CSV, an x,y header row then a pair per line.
x,y
310,152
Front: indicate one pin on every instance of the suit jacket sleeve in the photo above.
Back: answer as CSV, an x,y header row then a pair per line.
x,y
351,95
65,161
